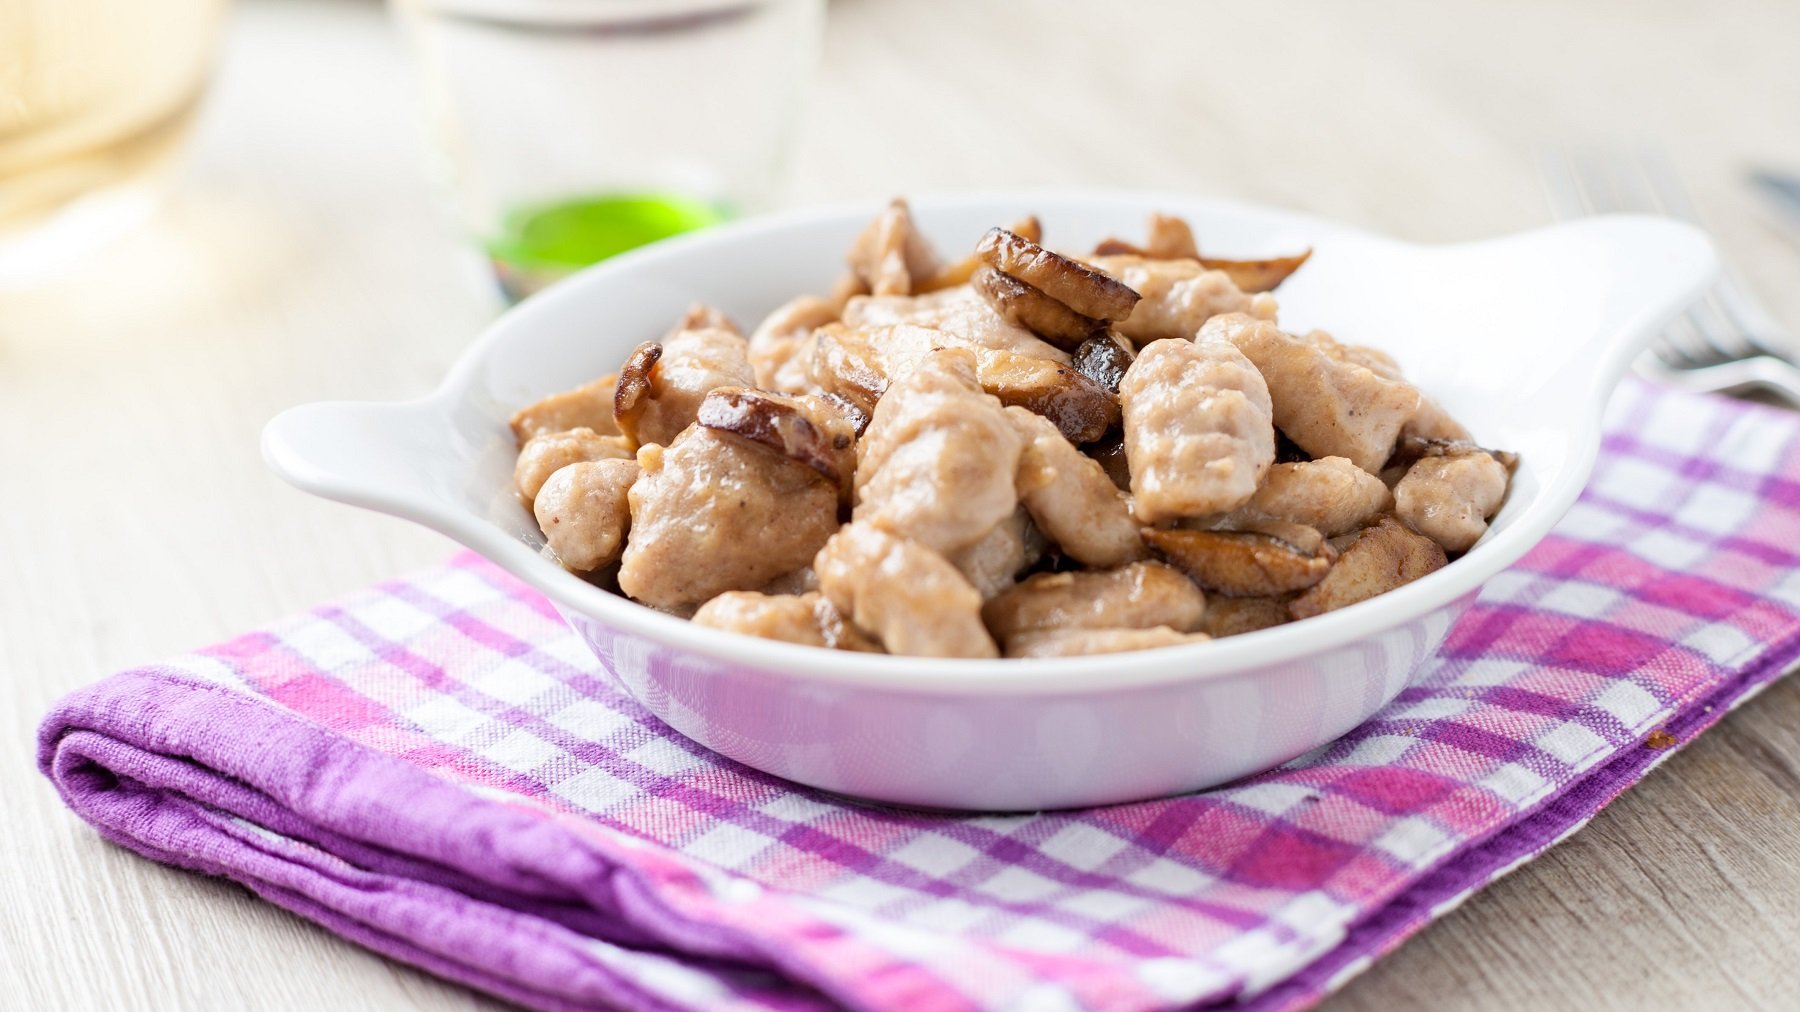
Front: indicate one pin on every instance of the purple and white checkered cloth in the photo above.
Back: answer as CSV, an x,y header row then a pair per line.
x,y
437,769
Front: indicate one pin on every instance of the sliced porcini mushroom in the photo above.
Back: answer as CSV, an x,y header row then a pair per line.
x,y
1118,248
633,392
859,362
1103,358
1072,283
891,256
1081,409
1170,239
1028,228
1412,449
1234,616
960,272
1381,558
845,365
822,440
1022,305
1257,275
1274,559
1109,450
853,414
1137,596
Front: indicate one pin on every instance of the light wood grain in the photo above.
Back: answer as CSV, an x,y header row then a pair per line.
x,y
302,257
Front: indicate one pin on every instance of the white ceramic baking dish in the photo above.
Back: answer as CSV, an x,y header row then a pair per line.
x,y
1521,337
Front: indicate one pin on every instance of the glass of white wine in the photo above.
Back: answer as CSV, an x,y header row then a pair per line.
x,y
571,130
95,98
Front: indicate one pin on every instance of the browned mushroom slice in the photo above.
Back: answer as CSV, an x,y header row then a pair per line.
x,y
1074,284
1022,305
1109,450
1029,228
1412,449
1275,559
959,316
659,392
1103,358
1257,275
589,406
859,363
1177,297
845,364
959,273
1234,616
1380,559
807,619
949,276
798,428
1118,248
1170,239
1081,409
1138,596
852,413
632,395
1082,642
891,256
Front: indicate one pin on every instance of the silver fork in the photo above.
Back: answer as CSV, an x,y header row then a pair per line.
x,y
1726,342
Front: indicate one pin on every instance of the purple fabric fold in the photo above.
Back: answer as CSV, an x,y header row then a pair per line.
x,y
437,770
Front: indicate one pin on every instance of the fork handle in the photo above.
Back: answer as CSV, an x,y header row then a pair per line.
x,y
1759,372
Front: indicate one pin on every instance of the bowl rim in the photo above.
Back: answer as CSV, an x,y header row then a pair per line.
x,y
1216,659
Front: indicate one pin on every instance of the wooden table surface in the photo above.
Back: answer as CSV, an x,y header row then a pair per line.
x,y
302,257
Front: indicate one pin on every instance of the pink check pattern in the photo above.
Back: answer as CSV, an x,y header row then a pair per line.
x,y
1671,591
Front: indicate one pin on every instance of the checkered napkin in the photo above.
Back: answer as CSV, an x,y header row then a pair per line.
x,y
438,770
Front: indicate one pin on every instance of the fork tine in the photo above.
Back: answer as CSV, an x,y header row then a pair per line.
x,y
1561,187
1683,346
1723,326
1581,184
1599,182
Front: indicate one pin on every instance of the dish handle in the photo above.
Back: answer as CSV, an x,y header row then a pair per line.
x,y
373,455
1647,269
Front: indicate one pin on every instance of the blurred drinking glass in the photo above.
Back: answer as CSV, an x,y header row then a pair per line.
x,y
95,98
572,130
